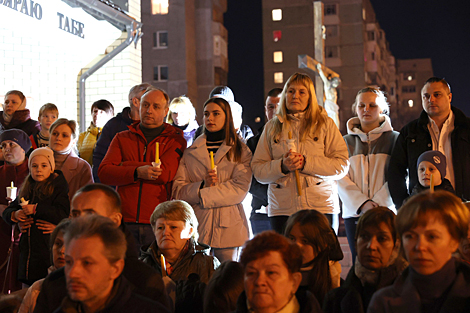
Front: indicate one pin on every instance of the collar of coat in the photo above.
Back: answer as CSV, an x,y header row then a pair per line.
x,y
460,119
199,150
167,131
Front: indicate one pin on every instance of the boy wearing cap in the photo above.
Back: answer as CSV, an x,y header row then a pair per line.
x,y
432,162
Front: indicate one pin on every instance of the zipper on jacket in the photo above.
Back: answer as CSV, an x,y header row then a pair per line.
x,y
140,189
368,166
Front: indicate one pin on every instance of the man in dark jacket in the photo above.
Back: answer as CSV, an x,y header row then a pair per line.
x,y
118,124
94,254
259,220
440,127
102,200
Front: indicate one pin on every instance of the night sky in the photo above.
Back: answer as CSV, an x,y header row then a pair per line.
x,y
436,29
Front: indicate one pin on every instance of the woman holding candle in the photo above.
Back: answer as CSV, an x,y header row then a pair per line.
x,y
62,141
216,193
317,152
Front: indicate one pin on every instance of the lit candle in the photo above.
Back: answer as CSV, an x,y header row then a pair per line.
x,y
157,155
212,160
162,261
431,188
12,186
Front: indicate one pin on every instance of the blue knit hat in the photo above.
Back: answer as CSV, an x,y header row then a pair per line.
x,y
436,158
18,136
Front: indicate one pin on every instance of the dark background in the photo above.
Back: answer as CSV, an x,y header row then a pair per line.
x,y
434,29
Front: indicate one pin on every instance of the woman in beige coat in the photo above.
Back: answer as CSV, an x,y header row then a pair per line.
x,y
216,194
302,171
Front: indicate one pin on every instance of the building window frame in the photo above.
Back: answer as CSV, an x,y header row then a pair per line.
x,y
330,9
160,73
332,52
158,38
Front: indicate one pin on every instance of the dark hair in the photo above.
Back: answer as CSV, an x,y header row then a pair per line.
x,y
231,137
454,214
224,288
61,227
104,105
269,241
112,237
374,217
435,79
316,228
275,92
110,193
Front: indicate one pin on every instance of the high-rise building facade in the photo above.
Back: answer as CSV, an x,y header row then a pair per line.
x,y
355,46
184,47
411,76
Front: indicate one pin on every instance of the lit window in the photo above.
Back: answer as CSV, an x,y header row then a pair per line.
x,y
410,77
160,40
277,34
277,56
278,77
160,73
159,7
277,14
330,9
410,103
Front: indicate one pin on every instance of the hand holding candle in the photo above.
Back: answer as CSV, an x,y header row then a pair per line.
x,y
297,178
431,187
157,162
212,160
11,192
163,264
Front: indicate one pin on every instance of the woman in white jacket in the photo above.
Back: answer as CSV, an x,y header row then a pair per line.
x,y
370,142
216,194
316,152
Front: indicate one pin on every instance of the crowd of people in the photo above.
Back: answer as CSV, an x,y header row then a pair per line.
x,y
143,211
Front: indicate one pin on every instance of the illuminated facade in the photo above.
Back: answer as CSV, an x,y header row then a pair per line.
x,y
184,47
45,47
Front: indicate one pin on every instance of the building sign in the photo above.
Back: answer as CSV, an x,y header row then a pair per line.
x,y
27,7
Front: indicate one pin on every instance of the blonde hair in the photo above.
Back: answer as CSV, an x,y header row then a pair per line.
x,y
176,210
381,100
313,119
181,103
48,107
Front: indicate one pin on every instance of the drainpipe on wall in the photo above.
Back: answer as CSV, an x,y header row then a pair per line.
x,y
117,17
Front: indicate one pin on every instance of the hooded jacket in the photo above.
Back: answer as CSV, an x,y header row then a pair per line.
x,y
369,155
130,150
326,161
222,221
21,119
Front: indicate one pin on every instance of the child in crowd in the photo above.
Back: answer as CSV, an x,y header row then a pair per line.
x,y
321,251
101,112
48,114
42,203
432,162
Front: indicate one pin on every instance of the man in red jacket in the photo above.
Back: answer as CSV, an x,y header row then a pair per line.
x,y
143,177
